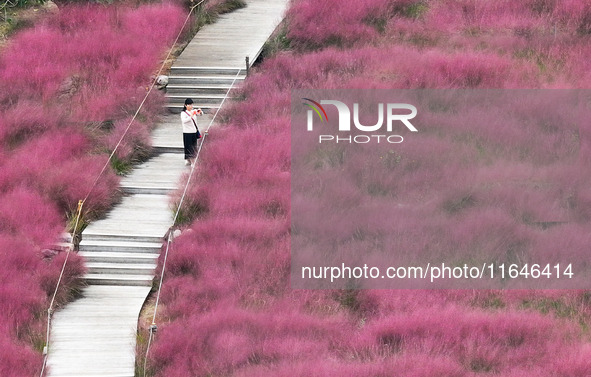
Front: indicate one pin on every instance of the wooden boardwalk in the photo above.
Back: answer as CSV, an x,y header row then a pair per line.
x,y
95,336
234,36
215,59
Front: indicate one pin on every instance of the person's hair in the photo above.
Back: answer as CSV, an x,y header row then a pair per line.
x,y
188,101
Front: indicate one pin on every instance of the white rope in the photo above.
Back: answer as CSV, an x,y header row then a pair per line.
x,y
170,233
142,103
50,309
185,193
223,100
81,203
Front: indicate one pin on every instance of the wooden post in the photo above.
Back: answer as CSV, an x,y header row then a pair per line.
x,y
247,65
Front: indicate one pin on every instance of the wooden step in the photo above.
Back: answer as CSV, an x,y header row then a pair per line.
x,y
115,257
199,90
118,279
121,268
206,71
205,80
120,246
125,238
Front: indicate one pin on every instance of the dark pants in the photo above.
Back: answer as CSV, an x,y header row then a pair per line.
x,y
190,142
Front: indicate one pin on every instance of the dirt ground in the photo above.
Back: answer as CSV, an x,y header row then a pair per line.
x,y
13,19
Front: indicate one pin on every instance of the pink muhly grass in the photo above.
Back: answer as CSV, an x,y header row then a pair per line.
x,y
241,161
575,14
457,187
337,23
133,145
409,365
29,74
22,299
27,215
119,65
563,242
29,283
24,122
375,302
576,363
17,360
479,341
326,68
268,199
110,62
436,69
232,339
485,16
110,56
70,284
316,24
64,182
243,235
389,67
186,294
247,242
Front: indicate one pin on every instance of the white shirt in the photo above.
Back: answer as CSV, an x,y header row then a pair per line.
x,y
187,120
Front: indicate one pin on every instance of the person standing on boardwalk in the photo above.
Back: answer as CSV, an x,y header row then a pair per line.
x,y
190,130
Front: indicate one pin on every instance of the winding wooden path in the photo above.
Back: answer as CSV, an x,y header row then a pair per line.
x,y
95,335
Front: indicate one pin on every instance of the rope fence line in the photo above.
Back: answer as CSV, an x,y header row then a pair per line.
x,y
153,327
50,309
143,101
81,202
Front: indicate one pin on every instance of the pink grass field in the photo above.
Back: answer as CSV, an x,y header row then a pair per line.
x,y
68,88
228,309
